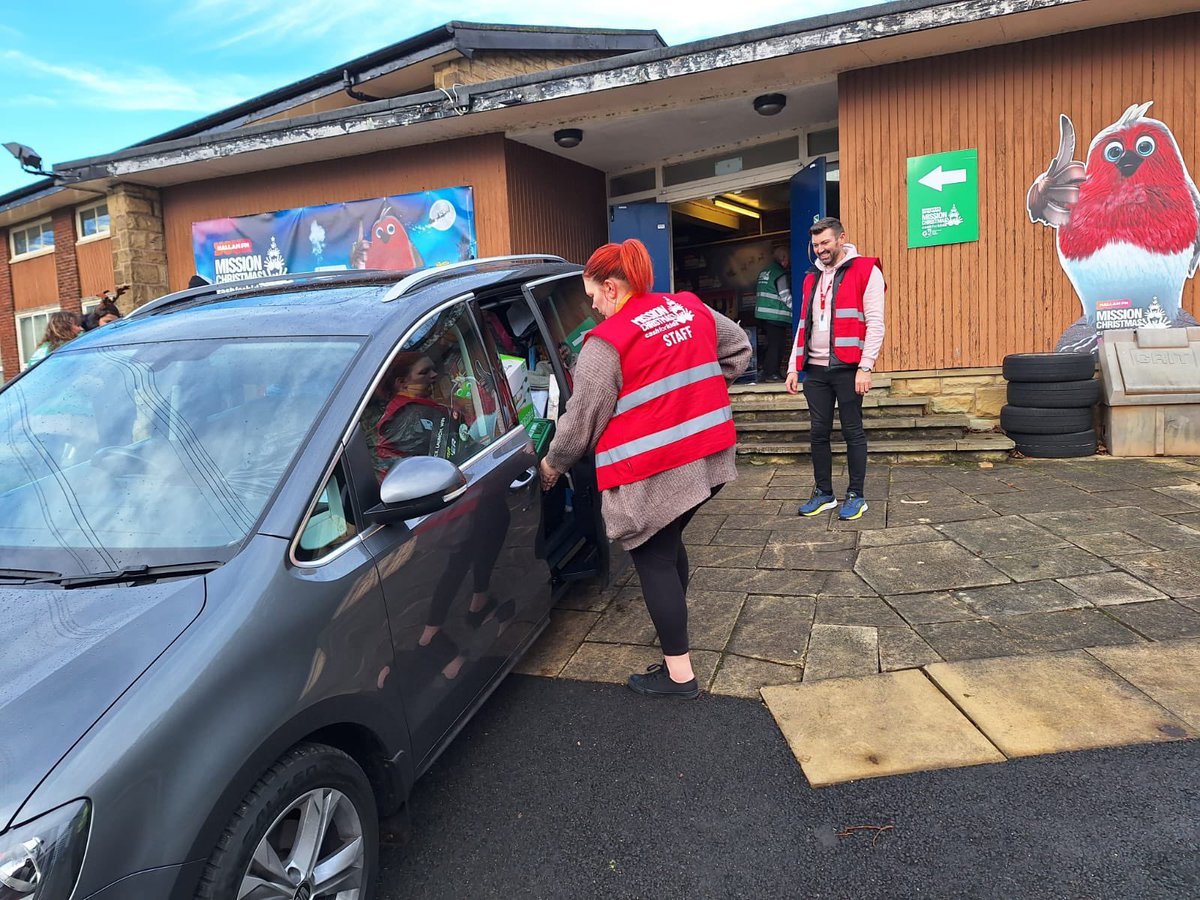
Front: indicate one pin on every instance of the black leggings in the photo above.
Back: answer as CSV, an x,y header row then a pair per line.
x,y
662,567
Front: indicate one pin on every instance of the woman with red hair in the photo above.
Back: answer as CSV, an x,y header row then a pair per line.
x,y
653,404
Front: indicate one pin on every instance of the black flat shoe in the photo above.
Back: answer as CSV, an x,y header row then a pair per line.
x,y
657,683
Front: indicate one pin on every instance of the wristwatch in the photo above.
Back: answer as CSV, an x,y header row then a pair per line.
x,y
864,368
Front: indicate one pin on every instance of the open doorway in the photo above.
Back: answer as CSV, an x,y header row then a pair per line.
x,y
721,243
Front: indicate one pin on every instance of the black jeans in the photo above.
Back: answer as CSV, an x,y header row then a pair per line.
x,y
777,347
662,567
822,386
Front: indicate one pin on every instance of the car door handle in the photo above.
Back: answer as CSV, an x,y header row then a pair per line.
x,y
530,474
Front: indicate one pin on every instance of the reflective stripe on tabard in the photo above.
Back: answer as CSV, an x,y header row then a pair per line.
x,y
663,438
849,342
850,314
665,385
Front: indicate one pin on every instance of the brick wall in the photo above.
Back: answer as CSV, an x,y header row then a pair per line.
x,y
485,66
66,265
8,318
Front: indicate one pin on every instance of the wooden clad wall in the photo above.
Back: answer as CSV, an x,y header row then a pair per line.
x,y
970,304
556,205
34,283
95,267
475,162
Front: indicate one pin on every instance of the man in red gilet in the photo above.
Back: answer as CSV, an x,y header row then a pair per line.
x,y
840,334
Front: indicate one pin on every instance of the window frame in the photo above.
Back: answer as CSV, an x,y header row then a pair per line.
x,y
80,237
39,224
361,530
47,311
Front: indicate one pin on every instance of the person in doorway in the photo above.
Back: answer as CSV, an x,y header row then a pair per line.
x,y
839,337
62,327
773,309
652,399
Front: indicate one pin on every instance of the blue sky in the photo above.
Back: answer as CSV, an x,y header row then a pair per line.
x,y
82,79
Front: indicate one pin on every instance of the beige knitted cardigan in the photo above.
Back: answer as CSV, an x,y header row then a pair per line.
x,y
635,512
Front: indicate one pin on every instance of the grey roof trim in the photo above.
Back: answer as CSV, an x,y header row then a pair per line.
x,y
31,193
802,36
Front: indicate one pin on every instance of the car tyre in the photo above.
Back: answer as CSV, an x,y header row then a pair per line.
x,y
1054,395
311,819
1043,367
1056,446
1031,420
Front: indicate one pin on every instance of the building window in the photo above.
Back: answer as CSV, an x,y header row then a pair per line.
x,y
92,221
35,237
30,329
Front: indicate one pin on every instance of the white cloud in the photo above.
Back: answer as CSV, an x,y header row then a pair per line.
x,y
130,88
364,25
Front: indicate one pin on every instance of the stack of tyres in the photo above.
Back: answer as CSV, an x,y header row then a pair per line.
x,y
1050,401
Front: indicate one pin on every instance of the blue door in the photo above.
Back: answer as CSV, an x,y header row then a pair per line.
x,y
807,198
650,223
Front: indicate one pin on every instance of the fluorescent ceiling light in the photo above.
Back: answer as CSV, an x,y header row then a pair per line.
x,y
733,207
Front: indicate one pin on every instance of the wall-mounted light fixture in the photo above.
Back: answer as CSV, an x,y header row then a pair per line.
x,y
740,210
769,104
568,137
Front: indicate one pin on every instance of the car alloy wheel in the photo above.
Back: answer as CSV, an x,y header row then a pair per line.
x,y
312,851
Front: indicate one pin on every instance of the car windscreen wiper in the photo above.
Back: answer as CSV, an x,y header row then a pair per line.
x,y
131,574
24,576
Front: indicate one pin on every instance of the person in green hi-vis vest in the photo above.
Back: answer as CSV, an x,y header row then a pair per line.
x,y
773,310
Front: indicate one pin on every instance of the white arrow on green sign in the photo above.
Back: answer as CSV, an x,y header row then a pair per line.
x,y
943,198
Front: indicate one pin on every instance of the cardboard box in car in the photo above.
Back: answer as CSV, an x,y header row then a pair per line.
x,y
517,373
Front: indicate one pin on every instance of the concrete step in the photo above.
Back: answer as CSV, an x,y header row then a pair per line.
x,y
982,446
878,381
789,407
883,427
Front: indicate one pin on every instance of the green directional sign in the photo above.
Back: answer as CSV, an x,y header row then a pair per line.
x,y
943,198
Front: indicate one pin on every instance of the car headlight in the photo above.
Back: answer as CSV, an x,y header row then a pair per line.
x,y
40,860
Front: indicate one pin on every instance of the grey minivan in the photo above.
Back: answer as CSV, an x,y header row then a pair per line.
x,y
264,549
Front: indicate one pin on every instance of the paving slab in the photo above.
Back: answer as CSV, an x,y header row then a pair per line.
x,y
1166,536
626,621
588,596
823,541
837,651
737,537
1043,501
774,629
719,556
870,611
741,489
1168,672
907,534
973,483
723,506
920,568
1020,598
1000,536
1159,503
903,648
806,556
614,663
702,529
1070,523
791,494
844,729
1067,629
1049,704
966,640
923,609
845,584
1053,562
759,581
931,513
711,617
1111,588
1175,572
740,676
1111,543
1159,620
557,644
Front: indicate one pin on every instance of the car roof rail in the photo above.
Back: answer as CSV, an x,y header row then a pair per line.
x,y
466,266
233,287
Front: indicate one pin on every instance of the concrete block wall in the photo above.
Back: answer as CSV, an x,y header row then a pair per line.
x,y
138,242
978,393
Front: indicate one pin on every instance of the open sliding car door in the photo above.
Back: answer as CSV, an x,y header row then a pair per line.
x,y
564,313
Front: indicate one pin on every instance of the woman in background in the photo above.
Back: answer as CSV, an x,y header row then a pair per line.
x,y
63,327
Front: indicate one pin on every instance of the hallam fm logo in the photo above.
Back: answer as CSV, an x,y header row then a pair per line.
x,y
225,248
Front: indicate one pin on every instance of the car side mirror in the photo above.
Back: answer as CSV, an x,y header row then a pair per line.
x,y
416,486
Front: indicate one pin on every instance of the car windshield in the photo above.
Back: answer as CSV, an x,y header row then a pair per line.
x,y
154,454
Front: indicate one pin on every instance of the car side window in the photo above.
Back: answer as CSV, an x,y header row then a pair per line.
x,y
331,521
568,312
439,395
